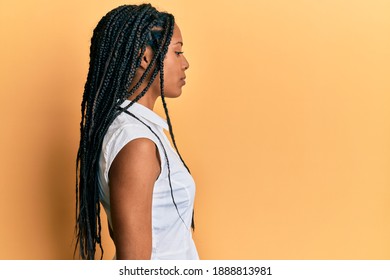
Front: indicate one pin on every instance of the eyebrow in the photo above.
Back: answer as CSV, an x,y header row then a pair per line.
x,y
180,42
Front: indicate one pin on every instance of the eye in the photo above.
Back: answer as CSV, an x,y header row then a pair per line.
x,y
179,53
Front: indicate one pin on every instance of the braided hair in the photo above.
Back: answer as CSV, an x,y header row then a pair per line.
x,y
117,45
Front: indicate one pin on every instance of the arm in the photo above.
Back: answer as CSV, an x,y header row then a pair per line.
x,y
132,176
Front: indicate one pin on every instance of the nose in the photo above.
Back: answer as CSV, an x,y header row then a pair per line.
x,y
186,65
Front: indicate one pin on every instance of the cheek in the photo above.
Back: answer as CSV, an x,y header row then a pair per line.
x,y
167,67
169,75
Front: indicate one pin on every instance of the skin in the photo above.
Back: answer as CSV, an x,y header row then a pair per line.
x,y
175,65
137,166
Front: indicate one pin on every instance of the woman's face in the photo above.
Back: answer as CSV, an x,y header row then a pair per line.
x,y
175,65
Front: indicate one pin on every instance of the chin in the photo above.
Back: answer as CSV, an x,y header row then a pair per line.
x,y
173,94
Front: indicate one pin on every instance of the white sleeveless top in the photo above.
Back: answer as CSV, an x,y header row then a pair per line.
x,y
171,232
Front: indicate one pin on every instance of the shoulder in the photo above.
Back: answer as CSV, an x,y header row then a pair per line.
x,y
137,155
127,134
128,124
140,147
123,130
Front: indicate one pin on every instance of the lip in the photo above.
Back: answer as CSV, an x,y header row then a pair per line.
x,y
183,79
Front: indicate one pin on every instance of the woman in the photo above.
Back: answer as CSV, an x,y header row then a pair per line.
x,y
125,161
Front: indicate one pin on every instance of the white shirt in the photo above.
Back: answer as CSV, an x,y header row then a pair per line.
x,y
171,232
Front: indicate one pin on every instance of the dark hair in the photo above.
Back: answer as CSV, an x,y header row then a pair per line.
x,y
117,45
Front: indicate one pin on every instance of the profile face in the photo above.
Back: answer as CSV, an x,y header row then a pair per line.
x,y
175,65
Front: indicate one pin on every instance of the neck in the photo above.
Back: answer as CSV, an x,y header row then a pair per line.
x,y
149,99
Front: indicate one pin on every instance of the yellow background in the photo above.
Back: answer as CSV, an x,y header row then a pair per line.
x,y
284,122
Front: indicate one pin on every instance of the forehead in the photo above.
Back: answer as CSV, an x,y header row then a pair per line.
x,y
176,36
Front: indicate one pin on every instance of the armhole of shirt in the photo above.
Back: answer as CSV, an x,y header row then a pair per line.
x,y
123,136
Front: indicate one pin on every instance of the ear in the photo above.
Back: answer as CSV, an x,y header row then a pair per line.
x,y
146,58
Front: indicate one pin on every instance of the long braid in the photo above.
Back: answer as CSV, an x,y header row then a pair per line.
x,y
161,64
114,58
